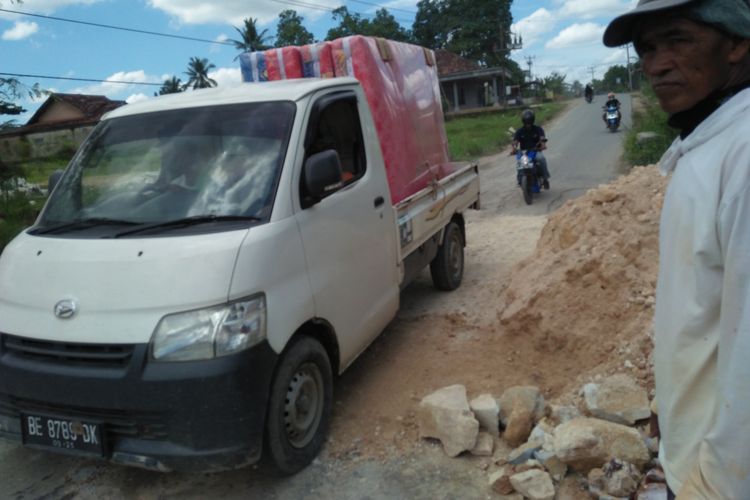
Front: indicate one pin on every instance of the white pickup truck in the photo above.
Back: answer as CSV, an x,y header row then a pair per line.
x,y
204,267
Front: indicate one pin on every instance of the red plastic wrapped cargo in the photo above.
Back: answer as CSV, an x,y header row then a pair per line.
x,y
401,84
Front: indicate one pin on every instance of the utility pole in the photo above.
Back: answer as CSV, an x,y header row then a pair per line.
x,y
516,43
630,73
591,68
530,61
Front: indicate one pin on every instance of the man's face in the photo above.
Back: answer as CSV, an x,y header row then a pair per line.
x,y
683,60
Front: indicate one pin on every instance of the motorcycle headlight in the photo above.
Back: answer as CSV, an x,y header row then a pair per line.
x,y
211,332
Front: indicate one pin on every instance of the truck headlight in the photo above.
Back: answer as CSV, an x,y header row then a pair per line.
x,y
211,332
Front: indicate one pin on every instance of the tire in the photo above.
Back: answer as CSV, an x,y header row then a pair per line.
x,y
447,268
526,189
299,408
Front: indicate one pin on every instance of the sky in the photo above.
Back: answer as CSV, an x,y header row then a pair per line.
x,y
562,36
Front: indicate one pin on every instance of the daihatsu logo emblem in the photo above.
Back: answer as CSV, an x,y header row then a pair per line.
x,y
65,309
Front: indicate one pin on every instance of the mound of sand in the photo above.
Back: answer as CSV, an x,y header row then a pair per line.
x,y
587,291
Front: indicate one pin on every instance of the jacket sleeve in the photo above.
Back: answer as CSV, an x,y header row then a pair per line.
x,y
722,469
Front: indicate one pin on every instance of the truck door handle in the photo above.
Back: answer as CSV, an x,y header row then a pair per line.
x,y
379,201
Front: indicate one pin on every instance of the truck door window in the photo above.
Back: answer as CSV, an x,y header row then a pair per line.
x,y
338,128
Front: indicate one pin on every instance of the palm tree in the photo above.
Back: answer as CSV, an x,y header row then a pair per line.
x,y
251,40
171,86
198,74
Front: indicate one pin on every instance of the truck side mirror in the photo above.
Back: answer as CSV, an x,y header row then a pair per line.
x,y
54,178
322,175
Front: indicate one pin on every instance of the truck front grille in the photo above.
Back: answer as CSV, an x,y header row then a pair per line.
x,y
68,353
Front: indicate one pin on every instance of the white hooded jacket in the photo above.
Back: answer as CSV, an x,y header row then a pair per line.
x,y
702,319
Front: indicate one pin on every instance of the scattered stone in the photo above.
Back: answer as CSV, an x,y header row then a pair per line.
x,y
570,488
618,399
533,484
520,409
512,496
445,415
543,435
585,443
523,453
642,137
617,479
485,445
653,491
652,444
487,411
556,468
562,414
528,465
500,481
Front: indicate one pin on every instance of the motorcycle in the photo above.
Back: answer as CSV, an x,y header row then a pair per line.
x,y
530,175
589,98
613,118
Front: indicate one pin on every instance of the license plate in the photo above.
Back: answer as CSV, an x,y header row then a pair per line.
x,y
62,433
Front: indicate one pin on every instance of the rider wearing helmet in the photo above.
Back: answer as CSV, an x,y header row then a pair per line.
x,y
611,101
531,136
589,90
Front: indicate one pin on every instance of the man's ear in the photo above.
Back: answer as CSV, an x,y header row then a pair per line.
x,y
738,50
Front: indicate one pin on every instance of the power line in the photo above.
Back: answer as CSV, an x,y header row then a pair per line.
x,y
309,5
109,26
383,6
79,79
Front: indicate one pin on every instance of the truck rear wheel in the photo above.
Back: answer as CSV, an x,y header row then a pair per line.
x,y
299,409
447,268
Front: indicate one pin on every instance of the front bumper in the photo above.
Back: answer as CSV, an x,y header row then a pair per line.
x,y
189,416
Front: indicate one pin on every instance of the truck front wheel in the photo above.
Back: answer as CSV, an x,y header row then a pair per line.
x,y
447,268
300,405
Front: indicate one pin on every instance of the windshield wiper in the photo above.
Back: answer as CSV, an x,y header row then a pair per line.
x,y
189,221
86,223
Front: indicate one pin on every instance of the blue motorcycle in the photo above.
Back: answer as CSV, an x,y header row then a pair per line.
x,y
612,116
529,174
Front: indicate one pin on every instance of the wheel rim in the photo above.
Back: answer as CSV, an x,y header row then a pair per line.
x,y
455,256
303,408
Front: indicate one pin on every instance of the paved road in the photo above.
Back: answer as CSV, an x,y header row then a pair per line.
x,y
581,154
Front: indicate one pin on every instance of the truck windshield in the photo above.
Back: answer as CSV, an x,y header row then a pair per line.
x,y
212,164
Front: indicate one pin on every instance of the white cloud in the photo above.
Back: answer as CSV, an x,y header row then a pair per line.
x,y
618,56
20,31
137,98
588,9
119,90
42,6
234,11
577,34
532,28
226,77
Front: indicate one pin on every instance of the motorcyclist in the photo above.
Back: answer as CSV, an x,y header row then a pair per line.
x,y
611,101
588,92
531,137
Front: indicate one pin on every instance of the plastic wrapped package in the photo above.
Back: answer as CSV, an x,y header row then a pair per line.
x,y
317,60
272,64
401,84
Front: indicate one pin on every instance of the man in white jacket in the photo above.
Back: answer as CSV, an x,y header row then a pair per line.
x,y
695,54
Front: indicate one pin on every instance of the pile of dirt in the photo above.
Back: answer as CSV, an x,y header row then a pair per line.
x,y
587,292
577,309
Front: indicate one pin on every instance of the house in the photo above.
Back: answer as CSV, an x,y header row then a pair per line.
x,y
466,84
61,123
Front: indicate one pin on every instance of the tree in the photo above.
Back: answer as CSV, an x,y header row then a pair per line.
x,y
475,29
616,79
171,86
250,39
198,74
430,28
384,25
349,24
11,90
576,89
554,83
290,31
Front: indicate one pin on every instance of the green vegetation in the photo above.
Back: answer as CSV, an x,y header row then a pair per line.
x,y
648,117
472,136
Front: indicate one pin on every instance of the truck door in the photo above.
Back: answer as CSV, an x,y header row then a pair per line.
x,y
349,236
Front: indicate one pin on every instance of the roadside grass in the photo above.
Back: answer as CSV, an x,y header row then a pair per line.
x,y
473,136
648,117
17,211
